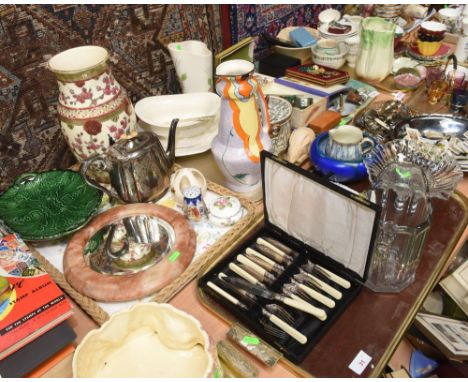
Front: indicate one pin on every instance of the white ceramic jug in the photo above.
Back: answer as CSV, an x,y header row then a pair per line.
x,y
193,63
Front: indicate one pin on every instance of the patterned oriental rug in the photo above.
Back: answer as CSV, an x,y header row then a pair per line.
x,y
251,20
136,35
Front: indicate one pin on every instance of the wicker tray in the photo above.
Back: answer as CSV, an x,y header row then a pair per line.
x,y
216,250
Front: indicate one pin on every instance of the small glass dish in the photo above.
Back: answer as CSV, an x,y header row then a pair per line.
x,y
407,79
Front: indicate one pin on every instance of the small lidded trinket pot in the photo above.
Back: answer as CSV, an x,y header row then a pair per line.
x,y
225,211
194,207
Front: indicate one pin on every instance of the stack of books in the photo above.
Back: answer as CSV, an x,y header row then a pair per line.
x,y
33,311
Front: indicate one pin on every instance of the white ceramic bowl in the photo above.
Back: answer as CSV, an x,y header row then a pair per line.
x,y
149,340
331,61
302,53
433,26
191,109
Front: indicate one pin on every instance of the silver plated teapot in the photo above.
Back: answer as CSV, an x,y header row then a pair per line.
x,y
139,169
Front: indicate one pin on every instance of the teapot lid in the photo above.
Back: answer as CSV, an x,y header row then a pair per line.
x,y
134,147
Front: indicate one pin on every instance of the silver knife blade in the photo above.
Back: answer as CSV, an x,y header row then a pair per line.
x,y
254,289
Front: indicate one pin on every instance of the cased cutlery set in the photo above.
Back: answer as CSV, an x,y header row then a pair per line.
x,y
253,278
293,279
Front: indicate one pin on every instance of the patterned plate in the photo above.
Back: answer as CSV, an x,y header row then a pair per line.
x,y
48,205
443,52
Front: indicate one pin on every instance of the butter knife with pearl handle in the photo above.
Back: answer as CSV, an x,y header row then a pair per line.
x,y
244,274
226,295
309,267
270,295
311,292
263,261
336,294
274,319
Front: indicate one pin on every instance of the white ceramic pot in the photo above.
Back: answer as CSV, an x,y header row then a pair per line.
x,y
225,211
193,63
185,178
93,109
149,340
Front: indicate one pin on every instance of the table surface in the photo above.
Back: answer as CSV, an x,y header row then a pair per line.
x,y
373,322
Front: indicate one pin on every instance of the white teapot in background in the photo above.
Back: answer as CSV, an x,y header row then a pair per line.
x,y
184,178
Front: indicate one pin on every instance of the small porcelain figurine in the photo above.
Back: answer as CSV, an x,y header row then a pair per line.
x,y
185,178
194,206
347,143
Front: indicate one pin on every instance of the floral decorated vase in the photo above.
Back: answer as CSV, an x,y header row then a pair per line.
x,y
244,126
93,109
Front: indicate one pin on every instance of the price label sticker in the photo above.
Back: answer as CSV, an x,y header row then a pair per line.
x,y
251,340
217,374
174,256
360,362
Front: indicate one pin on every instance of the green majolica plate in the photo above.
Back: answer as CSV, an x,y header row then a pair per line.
x,y
48,205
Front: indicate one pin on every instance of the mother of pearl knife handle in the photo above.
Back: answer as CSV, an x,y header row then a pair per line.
x,y
305,307
271,247
223,293
336,294
298,336
317,296
245,275
253,252
249,263
335,278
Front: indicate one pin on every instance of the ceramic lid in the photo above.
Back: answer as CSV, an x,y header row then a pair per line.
x,y
280,110
192,192
225,207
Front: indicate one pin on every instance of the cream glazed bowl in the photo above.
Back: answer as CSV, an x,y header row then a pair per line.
x,y
149,340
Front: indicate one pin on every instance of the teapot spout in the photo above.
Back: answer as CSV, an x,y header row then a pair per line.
x,y
170,151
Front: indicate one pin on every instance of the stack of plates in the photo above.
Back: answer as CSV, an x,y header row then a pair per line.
x,y
198,115
388,11
324,33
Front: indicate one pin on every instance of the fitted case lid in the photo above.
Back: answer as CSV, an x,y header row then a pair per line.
x,y
334,221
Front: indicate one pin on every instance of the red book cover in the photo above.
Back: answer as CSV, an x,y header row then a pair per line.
x,y
30,302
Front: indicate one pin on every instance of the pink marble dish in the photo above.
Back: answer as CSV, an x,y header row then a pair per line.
x,y
112,288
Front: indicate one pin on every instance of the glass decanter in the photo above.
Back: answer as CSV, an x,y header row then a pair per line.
x,y
405,174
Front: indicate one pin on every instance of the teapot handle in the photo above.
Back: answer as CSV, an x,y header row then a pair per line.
x,y
92,182
265,116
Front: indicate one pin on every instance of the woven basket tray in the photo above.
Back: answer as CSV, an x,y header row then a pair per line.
x,y
215,251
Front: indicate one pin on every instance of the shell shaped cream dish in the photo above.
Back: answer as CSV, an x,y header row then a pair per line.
x,y
149,340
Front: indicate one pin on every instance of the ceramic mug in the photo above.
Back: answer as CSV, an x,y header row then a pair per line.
x,y
185,178
450,17
328,46
347,143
